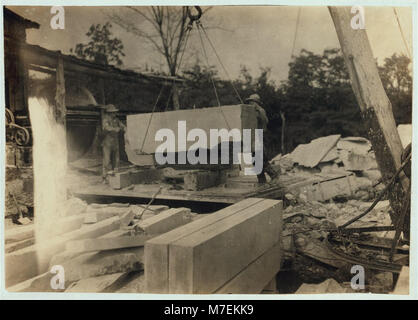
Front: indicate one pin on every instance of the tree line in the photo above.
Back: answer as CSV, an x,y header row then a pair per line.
x,y
316,99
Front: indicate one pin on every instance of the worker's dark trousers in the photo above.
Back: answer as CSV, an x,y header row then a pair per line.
x,y
110,155
267,168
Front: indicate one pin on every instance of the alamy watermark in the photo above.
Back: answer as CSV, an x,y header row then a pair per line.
x,y
241,141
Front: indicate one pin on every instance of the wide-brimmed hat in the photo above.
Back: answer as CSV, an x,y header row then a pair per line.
x,y
111,108
254,97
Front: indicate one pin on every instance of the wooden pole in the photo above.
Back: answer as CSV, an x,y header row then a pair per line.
x,y
376,109
283,131
60,109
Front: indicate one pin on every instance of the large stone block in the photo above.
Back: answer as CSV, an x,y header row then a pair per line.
x,y
205,260
204,179
165,221
144,126
156,249
204,257
257,275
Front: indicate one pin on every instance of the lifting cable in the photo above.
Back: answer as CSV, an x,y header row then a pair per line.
x,y
220,61
152,113
296,32
211,77
402,34
184,40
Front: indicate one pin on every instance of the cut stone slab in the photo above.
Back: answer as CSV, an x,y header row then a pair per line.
x,y
204,179
205,260
19,233
331,155
96,284
358,162
19,245
157,249
74,206
127,218
40,283
225,117
271,287
257,275
96,264
356,145
328,286
164,221
93,216
67,224
309,155
122,180
316,250
405,133
20,265
23,264
402,285
135,285
101,244
24,221
327,189
65,255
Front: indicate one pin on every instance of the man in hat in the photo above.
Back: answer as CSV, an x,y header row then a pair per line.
x,y
262,121
111,126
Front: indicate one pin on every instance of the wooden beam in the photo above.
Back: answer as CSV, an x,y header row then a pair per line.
x,y
376,109
37,55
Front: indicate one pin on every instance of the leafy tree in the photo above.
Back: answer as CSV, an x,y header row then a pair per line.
x,y
318,99
397,81
101,48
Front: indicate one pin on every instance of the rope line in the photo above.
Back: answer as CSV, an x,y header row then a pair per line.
x,y
402,34
296,32
211,78
149,121
221,63
207,63
185,40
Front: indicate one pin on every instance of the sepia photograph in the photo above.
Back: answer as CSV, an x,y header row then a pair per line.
x,y
253,150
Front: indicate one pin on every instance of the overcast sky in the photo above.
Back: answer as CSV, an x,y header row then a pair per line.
x,y
251,36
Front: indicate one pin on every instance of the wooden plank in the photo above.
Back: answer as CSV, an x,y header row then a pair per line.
x,y
205,260
257,275
156,249
376,109
165,221
101,244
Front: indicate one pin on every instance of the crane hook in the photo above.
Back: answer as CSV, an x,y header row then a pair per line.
x,y
195,17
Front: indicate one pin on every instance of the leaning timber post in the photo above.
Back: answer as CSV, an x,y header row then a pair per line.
x,y
176,100
376,109
60,109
